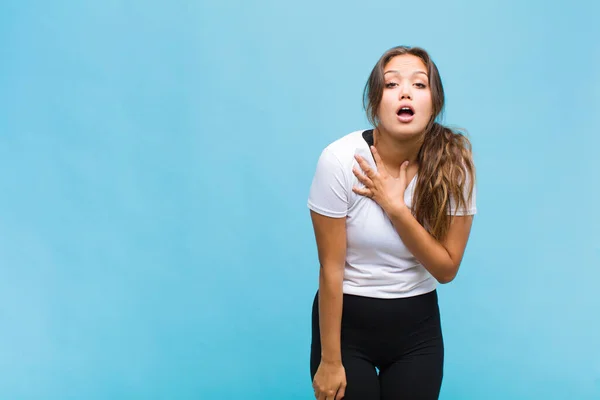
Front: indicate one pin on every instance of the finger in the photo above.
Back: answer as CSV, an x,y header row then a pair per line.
x,y
363,191
341,392
364,165
403,171
362,178
403,168
376,156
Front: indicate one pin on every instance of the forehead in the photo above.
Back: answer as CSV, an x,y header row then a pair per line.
x,y
405,63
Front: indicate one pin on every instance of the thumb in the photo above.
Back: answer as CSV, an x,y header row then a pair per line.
x,y
403,168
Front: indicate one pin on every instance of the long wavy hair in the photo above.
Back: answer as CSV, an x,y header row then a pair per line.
x,y
445,159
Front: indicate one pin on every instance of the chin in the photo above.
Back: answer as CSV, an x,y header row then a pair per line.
x,y
405,131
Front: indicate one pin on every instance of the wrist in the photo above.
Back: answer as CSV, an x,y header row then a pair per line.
x,y
333,361
398,211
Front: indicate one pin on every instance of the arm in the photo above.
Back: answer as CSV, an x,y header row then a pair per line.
x,y
330,234
328,202
441,258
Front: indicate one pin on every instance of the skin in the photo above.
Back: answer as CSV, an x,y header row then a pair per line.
x,y
396,145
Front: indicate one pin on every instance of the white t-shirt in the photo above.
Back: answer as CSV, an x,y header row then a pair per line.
x,y
378,264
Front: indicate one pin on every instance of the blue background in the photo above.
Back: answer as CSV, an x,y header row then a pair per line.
x,y
155,160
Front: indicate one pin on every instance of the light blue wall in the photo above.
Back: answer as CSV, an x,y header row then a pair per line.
x,y
155,159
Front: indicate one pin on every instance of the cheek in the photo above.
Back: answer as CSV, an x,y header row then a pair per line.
x,y
386,105
426,103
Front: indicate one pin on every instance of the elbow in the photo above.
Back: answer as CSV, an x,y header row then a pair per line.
x,y
445,279
447,275
331,273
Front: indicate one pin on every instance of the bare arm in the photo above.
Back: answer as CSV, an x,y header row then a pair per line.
x,y
330,234
441,258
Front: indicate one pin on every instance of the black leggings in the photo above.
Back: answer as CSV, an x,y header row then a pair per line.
x,y
400,338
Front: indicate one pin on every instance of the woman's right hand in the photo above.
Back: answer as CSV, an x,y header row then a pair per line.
x,y
330,381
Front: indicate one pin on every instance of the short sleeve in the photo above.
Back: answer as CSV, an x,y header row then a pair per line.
x,y
328,193
471,206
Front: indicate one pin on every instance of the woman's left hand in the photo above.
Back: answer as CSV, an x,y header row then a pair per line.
x,y
380,186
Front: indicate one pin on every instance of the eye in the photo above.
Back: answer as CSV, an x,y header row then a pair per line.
x,y
420,85
391,84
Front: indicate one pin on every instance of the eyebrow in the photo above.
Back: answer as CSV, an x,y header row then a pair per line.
x,y
398,72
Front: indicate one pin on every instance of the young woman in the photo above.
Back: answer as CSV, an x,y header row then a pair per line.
x,y
392,209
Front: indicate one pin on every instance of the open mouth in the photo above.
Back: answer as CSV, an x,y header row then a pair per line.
x,y
405,113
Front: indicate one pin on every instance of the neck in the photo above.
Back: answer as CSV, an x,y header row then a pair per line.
x,y
394,152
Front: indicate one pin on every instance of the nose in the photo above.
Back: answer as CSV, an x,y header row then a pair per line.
x,y
404,91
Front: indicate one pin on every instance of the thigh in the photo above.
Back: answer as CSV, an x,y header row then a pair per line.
x,y
361,376
416,376
362,382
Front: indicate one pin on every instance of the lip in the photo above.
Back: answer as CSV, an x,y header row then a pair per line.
x,y
407,118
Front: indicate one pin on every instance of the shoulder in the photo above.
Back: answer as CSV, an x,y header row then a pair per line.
x,y
330,190
343,149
